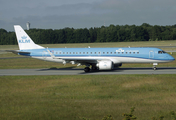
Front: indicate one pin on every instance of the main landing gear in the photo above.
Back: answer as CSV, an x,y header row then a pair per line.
x,y
93,67
87,69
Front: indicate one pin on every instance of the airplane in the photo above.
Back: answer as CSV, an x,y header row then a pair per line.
x,y
96,58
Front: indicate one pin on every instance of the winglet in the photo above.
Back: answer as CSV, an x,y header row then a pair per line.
x,y
24,41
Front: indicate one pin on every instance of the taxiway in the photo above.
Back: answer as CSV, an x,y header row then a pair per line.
x,y
78,71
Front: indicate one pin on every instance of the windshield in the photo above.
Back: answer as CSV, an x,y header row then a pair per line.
x,y
161,52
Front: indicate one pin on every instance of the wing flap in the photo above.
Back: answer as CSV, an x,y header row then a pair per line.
x,y
79,60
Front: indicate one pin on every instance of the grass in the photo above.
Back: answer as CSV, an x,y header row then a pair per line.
x,y
111,44
77,97
114,44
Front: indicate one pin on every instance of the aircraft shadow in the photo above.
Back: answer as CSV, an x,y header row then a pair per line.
x,y
125,69
66,68
148,68
101,71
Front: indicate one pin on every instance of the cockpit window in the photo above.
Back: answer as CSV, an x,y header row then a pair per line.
x,y
161,52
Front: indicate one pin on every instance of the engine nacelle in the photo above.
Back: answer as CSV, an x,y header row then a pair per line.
x,y
118,65
105,65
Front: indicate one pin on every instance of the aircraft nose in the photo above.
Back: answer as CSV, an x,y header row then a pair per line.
x,y
171,58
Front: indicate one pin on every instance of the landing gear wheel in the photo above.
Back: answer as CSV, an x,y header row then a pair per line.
x,y
154,68
87,69
94,68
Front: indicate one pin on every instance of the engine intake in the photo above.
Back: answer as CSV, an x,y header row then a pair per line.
x,y
105,65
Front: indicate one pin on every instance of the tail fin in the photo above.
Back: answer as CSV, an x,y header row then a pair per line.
x,y
24,41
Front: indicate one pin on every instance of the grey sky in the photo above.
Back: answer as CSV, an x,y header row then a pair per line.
x,y
57,14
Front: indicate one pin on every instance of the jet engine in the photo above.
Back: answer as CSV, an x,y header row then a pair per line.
x,y
105,65
118,65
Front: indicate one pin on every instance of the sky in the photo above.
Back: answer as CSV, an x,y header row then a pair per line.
x,y
59,14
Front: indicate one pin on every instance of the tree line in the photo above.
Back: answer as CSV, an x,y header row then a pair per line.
x,y
112,33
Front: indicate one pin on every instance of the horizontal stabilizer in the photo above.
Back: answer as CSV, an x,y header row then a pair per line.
x,y
16,51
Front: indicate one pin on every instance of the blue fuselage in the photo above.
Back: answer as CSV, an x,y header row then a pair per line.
x,y
117,55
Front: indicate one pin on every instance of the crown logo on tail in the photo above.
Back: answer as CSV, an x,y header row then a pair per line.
x,y
23,37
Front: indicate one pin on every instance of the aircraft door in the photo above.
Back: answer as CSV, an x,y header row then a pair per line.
x,y
151,54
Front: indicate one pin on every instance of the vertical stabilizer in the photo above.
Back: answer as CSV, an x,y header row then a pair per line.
x,y
24,41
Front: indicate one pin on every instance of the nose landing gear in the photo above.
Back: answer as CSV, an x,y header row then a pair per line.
x,y
154,66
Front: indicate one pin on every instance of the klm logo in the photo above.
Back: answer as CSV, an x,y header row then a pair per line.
x,y
24,40
120,50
